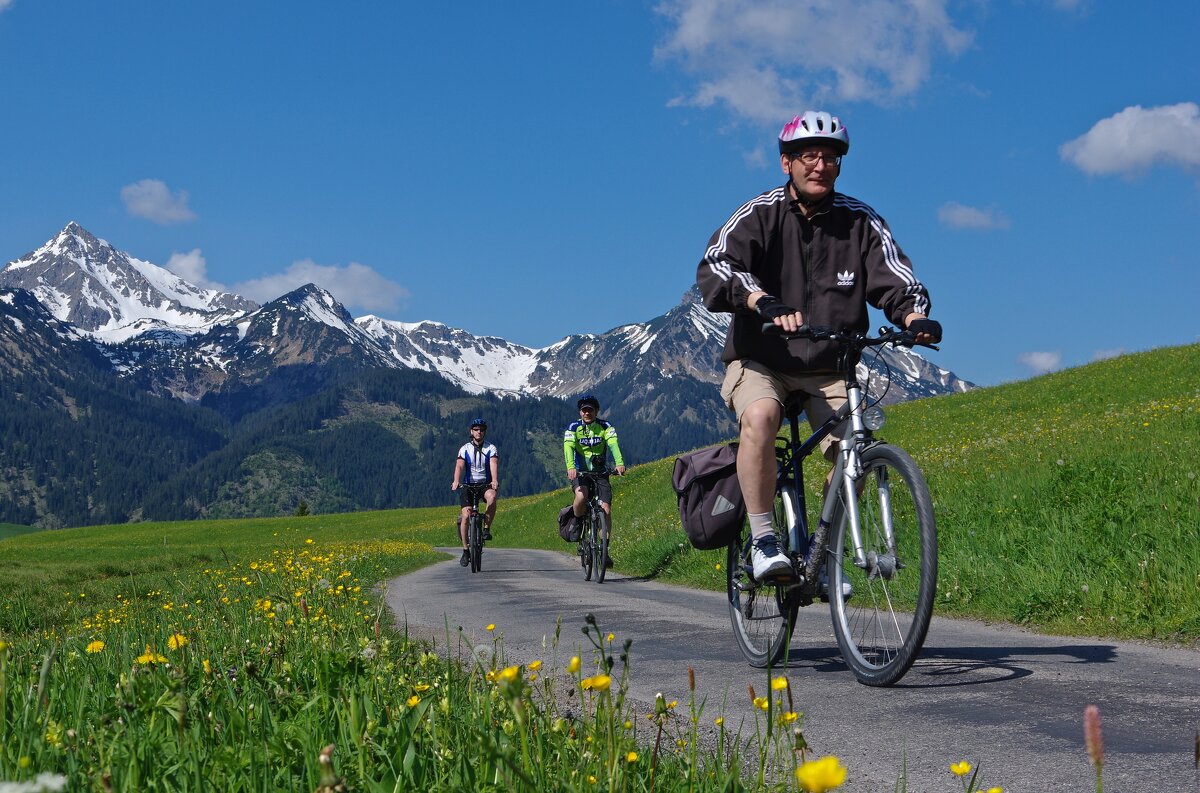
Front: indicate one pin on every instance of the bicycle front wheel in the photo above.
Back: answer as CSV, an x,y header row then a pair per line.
x,y
762,614
881,609
600,543
475,542
585,548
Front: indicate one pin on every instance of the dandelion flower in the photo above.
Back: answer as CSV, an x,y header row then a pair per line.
x,y
535,665
308,541
95,647
779,683
612,636
573,666
631,757
961,768
491,626
761,703
789,717
421,688
720,720
818,776
177,641
596,683
150,657
509,674
995,790
413,701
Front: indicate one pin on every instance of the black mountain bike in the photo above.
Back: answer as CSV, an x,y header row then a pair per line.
x,y
475,525
872,555
594,535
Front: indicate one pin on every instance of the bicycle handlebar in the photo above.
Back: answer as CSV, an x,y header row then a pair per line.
x,y
860,341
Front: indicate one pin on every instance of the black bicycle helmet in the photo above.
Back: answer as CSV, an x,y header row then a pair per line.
x,y
478,423
588,399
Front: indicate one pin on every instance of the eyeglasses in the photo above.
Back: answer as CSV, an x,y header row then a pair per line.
x,y
481,429
811,158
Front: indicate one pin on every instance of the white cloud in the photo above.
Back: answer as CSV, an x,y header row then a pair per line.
x,y
193,268
1137,138
354,285
766,60
1041,362
959,216
1103,355
5,5
151,199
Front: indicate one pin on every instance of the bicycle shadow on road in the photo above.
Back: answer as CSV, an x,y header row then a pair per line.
x,y
947,667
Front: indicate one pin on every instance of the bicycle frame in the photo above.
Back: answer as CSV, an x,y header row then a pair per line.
x,y
846,472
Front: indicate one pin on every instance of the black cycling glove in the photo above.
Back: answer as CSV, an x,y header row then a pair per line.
x,y
930,326
769,308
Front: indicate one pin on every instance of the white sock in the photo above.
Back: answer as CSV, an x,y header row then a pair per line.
x,y
760,525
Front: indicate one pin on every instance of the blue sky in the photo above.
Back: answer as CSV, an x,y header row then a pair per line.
x,y
533,170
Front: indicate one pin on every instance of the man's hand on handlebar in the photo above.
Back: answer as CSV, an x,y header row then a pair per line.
x,y
773,310
924,330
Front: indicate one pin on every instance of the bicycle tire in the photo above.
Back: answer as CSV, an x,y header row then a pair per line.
x,y
475,543
585,547
762,615
881,626
600,543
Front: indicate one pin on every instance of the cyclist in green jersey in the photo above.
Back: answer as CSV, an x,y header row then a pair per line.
x,y
586,446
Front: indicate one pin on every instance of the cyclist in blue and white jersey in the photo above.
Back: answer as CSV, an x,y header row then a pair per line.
x,y
477,463
586,446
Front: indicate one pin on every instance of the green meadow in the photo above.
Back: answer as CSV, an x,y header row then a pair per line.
x,y
229,655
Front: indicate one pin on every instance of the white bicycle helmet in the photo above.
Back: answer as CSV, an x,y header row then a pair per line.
x,y
815,126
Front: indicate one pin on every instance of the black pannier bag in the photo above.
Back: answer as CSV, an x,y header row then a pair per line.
x,y
711,508
568,525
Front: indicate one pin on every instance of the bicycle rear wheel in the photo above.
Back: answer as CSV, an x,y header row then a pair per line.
x,y
585,547
762,614
600,544
882,622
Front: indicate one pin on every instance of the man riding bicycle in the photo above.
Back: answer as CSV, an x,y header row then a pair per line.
x,y
586,445
801,253
479,462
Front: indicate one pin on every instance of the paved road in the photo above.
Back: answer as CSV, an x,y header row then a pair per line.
x,y
1006,699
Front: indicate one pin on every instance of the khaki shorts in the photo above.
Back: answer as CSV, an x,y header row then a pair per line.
x,y
747,382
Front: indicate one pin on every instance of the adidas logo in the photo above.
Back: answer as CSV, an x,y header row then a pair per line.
x,y
846,278
722,505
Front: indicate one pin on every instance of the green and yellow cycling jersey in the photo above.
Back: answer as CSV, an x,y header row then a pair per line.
x,y
586,446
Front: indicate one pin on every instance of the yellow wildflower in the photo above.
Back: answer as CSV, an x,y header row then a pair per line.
x,y
612,636
491,626
596,683
818,776
421,688
719,721
412,701
789,717
95,647
207,666
631,757
573,667
961,768
761,703
779,683
150,657
509,674
176,641
536,665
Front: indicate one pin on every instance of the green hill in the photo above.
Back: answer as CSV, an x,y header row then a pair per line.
x,y
1068,503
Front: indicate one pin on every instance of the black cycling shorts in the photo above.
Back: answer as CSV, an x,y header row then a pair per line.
x,y
603,489
464,495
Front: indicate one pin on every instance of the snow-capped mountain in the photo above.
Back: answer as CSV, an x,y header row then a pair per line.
x,y
174,338
113,296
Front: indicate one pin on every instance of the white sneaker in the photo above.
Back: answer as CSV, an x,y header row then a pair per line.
x,y
766,559
847,590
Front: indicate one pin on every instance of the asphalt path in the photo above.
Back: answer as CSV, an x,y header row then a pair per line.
x,y
1008,700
